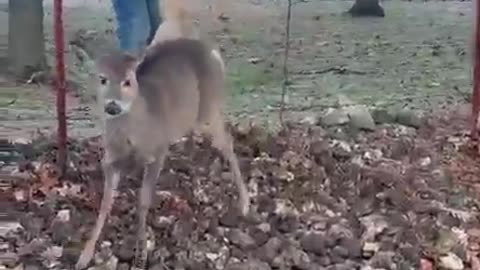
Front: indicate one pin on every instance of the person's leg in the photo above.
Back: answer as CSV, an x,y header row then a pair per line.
x,y
153,7
133,24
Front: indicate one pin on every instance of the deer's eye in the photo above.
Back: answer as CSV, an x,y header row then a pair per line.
x,y
126,83
103,80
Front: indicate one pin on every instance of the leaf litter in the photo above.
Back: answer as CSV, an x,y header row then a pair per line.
x,y
385,199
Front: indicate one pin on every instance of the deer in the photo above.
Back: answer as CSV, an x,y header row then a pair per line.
x,y
149,103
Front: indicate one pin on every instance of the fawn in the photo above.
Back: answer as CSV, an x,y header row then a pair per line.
x,y
148,104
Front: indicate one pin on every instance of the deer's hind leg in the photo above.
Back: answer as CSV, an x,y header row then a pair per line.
x,y
223,141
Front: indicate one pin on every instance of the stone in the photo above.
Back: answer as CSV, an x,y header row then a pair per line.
x,y
373,154
337,232
341,149
383,259
314,266
360,118
61,231
126,250
126,266
339,254
63,215
110,264
314,242
9,227
106,249
309,120
259,235
334,117
286,223
35,266
33,248
374,224
33,224
162,222
451,262
265,227
300,259
369,249
9,259
347,265
71,253
343,101
223,256
230,219
270,250
424,162
383,116
409,118
353,247
240,239
292,258
18,267
251,264
53,253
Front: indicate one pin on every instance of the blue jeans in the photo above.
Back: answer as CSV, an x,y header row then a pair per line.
x,y
137,21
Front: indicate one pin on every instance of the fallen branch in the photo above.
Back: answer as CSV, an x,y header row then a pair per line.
x,y
337,70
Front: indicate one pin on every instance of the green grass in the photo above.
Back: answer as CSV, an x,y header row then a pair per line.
x,y
21,98
245,77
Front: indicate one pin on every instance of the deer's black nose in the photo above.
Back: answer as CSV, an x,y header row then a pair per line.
x,y
113,108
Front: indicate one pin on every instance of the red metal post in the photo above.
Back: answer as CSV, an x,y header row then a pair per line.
x,y
60,84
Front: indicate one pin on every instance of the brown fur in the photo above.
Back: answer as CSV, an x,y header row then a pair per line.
x,y
191,58
177,22
116,65
178,88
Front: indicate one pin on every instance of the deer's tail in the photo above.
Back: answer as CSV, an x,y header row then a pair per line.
x,y
174,10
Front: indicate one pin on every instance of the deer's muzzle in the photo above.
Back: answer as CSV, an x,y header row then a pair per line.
x,y
112,108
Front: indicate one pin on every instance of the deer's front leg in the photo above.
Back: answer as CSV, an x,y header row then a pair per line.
x,y
150,175
112,178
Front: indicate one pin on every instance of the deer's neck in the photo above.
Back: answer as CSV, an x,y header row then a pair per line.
x,y
116,127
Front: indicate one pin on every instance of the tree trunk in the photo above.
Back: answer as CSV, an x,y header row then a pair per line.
x,y
26,47
367,8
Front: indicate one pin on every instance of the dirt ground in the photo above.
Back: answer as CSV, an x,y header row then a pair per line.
x,y
375,170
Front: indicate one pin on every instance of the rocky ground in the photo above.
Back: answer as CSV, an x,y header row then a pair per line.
x,y
329,196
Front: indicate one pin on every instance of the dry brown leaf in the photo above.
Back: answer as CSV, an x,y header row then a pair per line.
x,y
474,260
48,177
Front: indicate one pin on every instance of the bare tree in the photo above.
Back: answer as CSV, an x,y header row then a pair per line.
x,y
26,48
367,8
